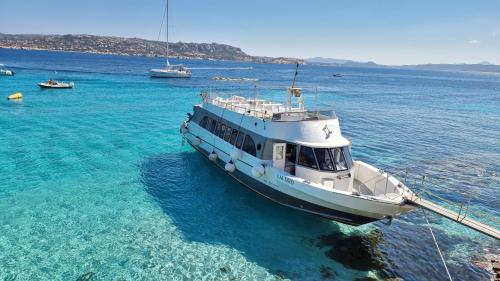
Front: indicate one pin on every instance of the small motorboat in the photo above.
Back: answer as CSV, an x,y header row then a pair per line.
x,y
56,85
6,72
337,75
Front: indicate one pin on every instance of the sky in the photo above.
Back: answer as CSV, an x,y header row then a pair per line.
x,y
390,32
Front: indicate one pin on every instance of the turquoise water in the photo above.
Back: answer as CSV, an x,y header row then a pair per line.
x,y
95,183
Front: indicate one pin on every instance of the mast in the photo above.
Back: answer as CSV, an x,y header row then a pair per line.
x,y
168,63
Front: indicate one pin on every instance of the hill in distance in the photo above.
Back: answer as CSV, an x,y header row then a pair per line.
x,y
132,47
478,67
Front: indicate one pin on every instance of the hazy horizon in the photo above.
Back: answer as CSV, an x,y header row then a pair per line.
x,y
389,32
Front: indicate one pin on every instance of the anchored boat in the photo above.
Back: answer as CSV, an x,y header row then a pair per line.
x,y
170,71
5,72
300,159
293,156
56,85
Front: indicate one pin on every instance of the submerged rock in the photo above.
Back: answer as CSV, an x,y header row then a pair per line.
x,y
225,269
356,252
89,276
491,264
327,272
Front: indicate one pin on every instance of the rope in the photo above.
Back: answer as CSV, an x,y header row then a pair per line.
x,y
162,20
437,246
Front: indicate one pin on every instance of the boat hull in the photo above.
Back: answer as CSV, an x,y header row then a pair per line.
x,y
287,200
154,73
45,86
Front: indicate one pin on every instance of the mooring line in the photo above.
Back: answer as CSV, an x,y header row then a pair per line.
x,y
437,246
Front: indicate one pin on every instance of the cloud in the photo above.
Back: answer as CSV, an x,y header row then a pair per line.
x,y
494,34
473,42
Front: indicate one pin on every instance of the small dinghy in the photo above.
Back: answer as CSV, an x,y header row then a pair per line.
x,y
5,72
56,85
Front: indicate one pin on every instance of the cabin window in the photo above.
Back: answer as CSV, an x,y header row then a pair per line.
x,y
306,157
217,128
203,122
222,131
207,125
239,139
249,145
234,134
227,137
339,159
347,156
324,158
213,125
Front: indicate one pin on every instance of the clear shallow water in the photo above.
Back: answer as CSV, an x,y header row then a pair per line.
x,y
94,180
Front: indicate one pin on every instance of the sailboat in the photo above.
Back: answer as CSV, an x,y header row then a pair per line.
x,y
170,70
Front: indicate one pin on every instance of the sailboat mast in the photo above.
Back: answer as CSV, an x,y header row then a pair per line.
x,y
168,63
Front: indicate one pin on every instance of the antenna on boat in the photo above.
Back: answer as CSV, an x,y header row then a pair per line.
x,y
295,76
296,92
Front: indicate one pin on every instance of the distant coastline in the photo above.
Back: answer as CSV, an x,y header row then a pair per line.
x,y
133,47
460,67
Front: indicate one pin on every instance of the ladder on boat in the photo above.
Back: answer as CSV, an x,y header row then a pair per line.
x,y
457,217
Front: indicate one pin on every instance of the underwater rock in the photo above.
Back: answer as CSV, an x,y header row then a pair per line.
x,y
225,269
365,279
327,272
89,276
282,275
491,264
356,252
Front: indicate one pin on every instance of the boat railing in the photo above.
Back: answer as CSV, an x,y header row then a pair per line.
x,y
421,190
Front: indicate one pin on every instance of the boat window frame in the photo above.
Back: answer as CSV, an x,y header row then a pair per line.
x,y
217,128
350,162
234,136
314,156
204,121
213,125
240,133
222,131
227,136
329,152
334,161
253,150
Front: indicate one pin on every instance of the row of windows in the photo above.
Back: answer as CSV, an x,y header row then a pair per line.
x,y
326,159
230,135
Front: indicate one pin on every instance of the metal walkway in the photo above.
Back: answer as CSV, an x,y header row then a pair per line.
x,y
460,218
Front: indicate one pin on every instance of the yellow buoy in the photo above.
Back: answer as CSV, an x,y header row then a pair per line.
x,y
15,96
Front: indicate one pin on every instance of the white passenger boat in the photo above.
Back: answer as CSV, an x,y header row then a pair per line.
x,y
295,157
170,71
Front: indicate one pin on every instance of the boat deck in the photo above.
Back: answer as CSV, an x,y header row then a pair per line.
x,y
265,109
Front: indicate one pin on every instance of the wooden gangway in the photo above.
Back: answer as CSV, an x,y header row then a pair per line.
x,y
460,217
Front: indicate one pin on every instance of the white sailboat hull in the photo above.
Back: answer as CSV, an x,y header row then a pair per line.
x,y
168,73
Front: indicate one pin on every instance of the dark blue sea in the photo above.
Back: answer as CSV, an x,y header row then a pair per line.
x,y
95,183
